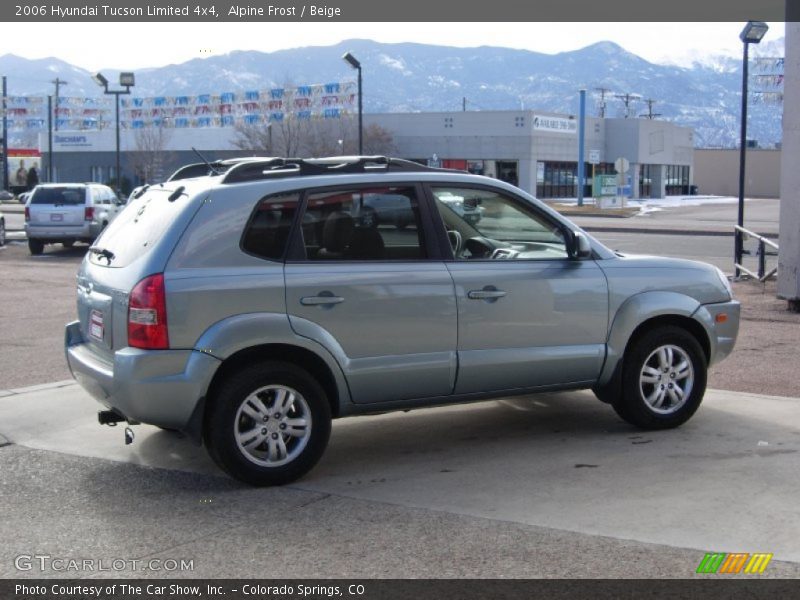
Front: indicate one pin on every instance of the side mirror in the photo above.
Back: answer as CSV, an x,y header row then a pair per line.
x,y
581,248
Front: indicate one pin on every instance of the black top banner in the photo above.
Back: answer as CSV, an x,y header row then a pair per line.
x,y
406,11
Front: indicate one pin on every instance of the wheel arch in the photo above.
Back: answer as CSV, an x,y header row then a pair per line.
x,y
642,313
287,353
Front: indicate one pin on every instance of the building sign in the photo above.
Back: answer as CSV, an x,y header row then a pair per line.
x,y
71,141
554,124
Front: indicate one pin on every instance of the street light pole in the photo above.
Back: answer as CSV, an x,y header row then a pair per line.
x,y
751,34
351,60
581,135
127,81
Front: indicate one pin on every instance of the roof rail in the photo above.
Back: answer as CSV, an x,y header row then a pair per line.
x,y
254,169
218,167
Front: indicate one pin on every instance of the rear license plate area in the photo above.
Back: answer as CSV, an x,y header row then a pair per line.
x,y
96,325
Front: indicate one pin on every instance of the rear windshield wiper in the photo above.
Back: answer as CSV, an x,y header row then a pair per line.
x,y
105,253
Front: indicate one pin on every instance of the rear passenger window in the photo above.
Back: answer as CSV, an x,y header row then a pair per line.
x,y
268,230
371,223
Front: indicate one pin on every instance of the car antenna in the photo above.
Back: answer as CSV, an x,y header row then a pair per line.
x,y
208,164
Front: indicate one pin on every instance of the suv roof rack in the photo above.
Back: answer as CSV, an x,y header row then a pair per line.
x,y
254,168
203,169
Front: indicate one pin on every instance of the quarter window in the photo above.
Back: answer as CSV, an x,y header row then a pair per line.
x,y
484,224
370,223
269,227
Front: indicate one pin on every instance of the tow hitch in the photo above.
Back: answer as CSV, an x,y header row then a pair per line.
x,y
111,418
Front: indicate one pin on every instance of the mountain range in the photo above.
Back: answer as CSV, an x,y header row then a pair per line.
x,y
410,77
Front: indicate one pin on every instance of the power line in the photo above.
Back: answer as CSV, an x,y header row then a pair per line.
x,y
602,105
58,83
650,114
627,99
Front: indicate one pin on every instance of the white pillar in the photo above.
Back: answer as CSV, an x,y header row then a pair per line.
x,y
789,254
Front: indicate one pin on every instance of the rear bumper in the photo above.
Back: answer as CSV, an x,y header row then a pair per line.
x,y
85,231
160,387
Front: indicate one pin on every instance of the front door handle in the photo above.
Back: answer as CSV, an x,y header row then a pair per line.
x,y
488,293
322,299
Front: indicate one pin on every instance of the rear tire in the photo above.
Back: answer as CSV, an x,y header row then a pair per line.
x,y
36,247
268,424
663,379
68,243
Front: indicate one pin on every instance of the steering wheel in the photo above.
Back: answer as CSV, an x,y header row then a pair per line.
x,y
456,241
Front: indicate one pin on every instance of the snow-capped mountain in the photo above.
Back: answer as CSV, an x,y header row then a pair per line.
x,y
418,77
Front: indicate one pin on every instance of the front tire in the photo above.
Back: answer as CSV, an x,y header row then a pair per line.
x,y
268,424
663,379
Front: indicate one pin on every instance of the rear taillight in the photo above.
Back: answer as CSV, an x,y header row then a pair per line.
x,y
27,213
88,213
147,314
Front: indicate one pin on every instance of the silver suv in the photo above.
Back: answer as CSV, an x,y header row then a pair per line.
x,y
68,212
246,304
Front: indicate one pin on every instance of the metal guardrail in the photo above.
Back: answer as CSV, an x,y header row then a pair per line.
x,y
761,253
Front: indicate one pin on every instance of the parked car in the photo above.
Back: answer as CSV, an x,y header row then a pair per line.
x,y
23,197
249,306
66,213
2,229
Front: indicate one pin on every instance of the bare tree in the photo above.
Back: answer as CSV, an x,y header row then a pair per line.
x,y
378,140
251,137
312,137
282,138
151,157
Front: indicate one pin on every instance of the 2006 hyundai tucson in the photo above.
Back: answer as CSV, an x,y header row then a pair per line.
x,y
248,302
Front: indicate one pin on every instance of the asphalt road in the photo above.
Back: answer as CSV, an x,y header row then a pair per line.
x,y
551,485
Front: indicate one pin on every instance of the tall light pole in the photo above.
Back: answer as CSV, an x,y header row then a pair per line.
x,y
752,33
581,135
127,81
351,60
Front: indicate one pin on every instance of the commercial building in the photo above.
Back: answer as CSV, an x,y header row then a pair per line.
x,y
536,150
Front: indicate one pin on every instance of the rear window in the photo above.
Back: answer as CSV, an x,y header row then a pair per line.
x,y
137,228
59,195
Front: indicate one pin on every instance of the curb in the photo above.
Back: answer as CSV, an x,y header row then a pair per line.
x,y
38,388
659,231
668,231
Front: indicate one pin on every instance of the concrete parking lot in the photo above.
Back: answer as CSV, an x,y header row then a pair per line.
x,y
543,486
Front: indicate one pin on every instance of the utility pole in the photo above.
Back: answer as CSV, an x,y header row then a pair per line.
x,y
602,106
49,139
464,104
626,100
650,114
58,82
5,134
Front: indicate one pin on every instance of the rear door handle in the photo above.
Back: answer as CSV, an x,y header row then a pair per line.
x,y
322,299
487,293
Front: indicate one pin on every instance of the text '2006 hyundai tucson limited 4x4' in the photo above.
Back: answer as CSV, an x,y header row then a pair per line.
x,y
248,302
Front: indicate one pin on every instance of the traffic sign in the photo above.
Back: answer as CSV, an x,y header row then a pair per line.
x,y
622,165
